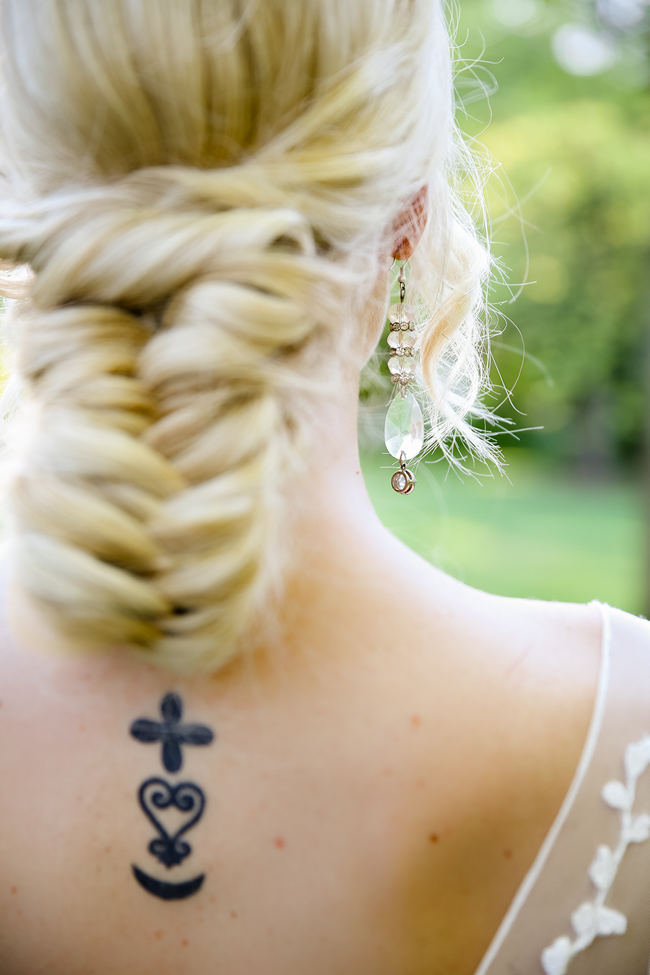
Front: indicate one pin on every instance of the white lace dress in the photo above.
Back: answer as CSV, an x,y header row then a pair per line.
x,y
584,906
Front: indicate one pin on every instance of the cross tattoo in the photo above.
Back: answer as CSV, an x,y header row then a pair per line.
x,y
170,732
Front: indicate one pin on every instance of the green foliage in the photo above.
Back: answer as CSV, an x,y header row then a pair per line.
x,y
571,188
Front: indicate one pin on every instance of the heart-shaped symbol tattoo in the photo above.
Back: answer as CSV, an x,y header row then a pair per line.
x,y
157,794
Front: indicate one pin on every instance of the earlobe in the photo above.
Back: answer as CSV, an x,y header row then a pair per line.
x,y
403,250
410,224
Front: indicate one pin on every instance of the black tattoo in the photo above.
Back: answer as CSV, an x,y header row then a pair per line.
x,y
165,890
157,794
187,798
171,732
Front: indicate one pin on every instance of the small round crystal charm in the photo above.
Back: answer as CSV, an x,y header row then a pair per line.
x,y
403,480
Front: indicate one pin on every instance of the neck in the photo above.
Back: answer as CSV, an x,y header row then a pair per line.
x,y
333,508
344,565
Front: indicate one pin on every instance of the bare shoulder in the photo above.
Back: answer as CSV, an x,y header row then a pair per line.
x,y
560,664
632,629
566,649
517,729
540,658
547,658
548,623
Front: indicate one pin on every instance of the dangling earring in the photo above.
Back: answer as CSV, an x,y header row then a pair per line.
x,y
404,427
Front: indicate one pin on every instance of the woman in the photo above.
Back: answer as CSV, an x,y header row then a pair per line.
x,y
242,728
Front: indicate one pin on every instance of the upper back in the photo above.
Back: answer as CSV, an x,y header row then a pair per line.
x,y
370,806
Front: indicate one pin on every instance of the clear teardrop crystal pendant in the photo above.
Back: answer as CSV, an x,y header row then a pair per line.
x,y
404,427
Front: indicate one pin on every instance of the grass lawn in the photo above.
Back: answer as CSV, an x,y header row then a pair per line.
x,y
538,534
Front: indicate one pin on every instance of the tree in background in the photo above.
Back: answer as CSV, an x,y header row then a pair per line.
x,y
569,128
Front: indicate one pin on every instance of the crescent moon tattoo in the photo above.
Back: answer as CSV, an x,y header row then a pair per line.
x,y
165,890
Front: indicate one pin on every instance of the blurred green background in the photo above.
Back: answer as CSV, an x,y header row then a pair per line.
x,y
558,95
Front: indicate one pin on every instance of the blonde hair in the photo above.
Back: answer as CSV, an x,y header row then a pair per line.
x,y
201,196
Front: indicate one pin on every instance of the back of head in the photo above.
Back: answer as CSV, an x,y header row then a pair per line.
x,y
202,194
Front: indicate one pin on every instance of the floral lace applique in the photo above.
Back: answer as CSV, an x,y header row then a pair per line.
x,y
593,919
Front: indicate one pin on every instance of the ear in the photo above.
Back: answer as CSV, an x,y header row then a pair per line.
x,y
409,225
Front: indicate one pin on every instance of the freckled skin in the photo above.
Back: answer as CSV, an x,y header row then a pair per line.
x,y
336,761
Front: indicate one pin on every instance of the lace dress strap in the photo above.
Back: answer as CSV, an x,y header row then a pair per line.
x,y
533,874
628,796
584,906
595,918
